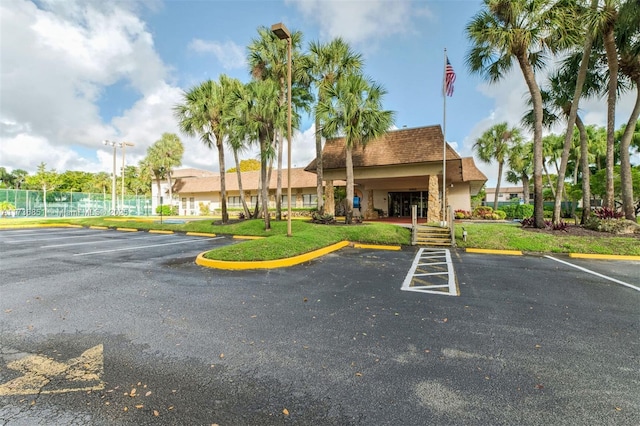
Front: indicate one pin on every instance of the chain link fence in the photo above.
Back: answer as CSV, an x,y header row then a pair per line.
x,y
28,203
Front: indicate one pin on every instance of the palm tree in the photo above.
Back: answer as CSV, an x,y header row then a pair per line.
x,y
254,117
353,108
204,112
163,156
326,64
494,144
523,30
268,60
520,165
628,42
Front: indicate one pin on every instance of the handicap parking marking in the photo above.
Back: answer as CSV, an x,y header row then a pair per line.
x,y
40,374
432,272
597,274
146,246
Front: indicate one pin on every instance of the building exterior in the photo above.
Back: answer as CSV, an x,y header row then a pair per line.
x,y
506,194
404,168
191,187
391,174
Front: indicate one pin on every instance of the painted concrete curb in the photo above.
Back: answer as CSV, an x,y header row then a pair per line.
x,y
376,246
603,256
200,234
489,251
269,264
160,231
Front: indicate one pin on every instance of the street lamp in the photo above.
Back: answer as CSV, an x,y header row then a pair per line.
x,y
283,34
124,146
113,181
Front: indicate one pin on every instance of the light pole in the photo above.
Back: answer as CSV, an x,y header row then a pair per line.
x,y
283,34
113,178
124,146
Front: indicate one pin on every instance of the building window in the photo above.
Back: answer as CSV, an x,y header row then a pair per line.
x,y
309,200
184,203
512,196
234,201
254,200
284,198
501,195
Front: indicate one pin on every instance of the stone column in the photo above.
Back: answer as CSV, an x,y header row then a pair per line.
x,y
329,200
434,208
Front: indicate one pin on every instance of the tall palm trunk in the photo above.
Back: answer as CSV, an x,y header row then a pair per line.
x,y
612,62
495,198
625,160
349,200
573,112
223,183
536,97
525,187
264,189
170,189
319,173
586,171
239,176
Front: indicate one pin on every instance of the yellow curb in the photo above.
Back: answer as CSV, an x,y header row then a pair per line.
x,y
247,237
200,234
603,256
489,251
376,246
159,231
267,264
98,227
127,229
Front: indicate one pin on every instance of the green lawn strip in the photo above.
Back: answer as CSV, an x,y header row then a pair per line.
x,y
506,236
305,237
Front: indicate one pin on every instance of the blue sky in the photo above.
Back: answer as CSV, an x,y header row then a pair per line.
x,y
74,73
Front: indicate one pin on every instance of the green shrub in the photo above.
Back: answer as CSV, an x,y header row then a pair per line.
x,y
517,211
462,214
204,209
167,210
483,212
499,215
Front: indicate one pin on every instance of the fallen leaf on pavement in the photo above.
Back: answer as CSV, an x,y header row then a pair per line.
x,y
285,412
155,413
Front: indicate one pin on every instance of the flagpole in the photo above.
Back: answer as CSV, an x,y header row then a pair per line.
x,y
444,139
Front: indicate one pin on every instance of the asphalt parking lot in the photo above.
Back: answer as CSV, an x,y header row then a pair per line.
x,y
106,327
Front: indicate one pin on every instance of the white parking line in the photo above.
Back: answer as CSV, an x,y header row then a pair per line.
x,y
595,273
111,240
51,239
141,247
431,268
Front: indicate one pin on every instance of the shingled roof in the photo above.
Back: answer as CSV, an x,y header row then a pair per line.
x,y
299,178
404,146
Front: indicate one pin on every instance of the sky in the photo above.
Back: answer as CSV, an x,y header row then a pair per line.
x,y
74,73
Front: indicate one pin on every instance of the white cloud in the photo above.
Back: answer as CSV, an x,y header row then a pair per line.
x,y
359,21
56,63
229,54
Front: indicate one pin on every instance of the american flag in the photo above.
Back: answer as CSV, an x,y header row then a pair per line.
x,y
449,78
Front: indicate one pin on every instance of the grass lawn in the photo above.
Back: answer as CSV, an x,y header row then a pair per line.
x,y
510,236
307,237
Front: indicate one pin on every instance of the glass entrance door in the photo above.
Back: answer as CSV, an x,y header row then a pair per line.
x,y
400,203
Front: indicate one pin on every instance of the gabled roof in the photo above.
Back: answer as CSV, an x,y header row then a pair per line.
x,y
397,147
250,180
191,172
